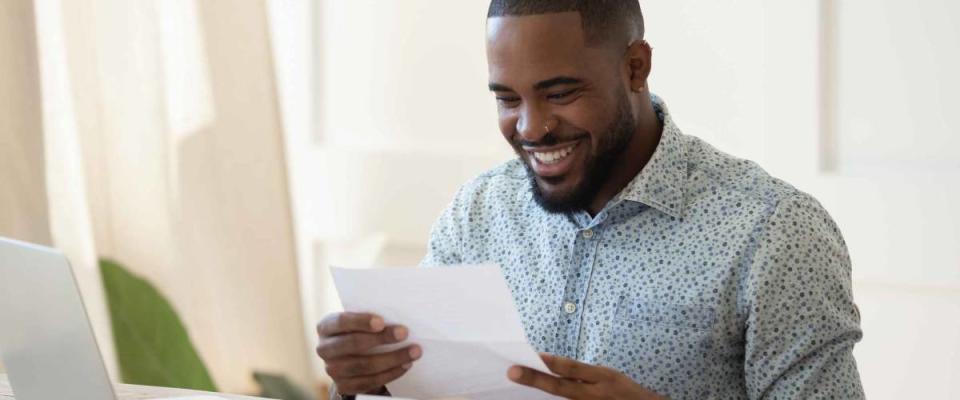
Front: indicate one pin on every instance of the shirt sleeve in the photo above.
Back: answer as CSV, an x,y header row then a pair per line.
x,y
445,237
802,323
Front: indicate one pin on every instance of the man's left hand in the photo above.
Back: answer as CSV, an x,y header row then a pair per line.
x,y
579,381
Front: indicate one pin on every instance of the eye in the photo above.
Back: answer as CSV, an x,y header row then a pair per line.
x,y
562,95
508,101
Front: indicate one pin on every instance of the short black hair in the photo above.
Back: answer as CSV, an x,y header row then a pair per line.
x,y
604,21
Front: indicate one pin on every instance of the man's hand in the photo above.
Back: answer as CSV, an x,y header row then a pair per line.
x,y
345,342
580,381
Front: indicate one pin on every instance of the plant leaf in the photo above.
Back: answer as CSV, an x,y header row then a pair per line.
x,y
279,387
153,347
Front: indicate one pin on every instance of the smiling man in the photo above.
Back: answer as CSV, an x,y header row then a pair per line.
x,y
645,263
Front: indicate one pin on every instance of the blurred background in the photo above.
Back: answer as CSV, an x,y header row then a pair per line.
x,y
223,153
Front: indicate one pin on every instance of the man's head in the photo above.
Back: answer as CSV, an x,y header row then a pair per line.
x,y
570,81
611,22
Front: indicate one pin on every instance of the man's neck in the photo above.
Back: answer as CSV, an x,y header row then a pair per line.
x,y
632,160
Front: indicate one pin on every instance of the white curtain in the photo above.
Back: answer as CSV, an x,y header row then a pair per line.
x,y
23,209
23,197
164,151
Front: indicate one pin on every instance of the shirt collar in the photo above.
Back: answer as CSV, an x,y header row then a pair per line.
x,y
662,181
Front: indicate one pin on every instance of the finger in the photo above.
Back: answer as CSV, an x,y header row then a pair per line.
x,y
368,365
367,384
573,369
340,323
551,384
352,344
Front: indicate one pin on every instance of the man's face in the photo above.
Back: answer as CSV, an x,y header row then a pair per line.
x,y
563,106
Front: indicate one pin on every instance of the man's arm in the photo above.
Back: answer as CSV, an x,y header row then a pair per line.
x,y
802,323
445,237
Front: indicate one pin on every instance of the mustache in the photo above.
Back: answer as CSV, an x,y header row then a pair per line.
x,y
550,139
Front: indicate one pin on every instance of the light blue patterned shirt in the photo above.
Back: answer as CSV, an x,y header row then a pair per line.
x,y
704,278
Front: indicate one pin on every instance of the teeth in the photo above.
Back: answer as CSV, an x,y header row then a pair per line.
x,y
553,157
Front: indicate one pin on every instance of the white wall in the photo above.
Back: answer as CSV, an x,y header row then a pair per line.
x,y
708,65
404,110
897,73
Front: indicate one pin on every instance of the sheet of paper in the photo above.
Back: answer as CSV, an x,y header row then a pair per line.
x,y
465,320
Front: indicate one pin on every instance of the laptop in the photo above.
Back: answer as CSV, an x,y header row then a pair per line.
x,y
46,342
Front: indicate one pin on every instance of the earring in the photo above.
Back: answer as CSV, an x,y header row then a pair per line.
x,y
639,89
546,128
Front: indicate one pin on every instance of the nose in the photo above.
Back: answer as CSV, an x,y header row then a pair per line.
x,y
534,123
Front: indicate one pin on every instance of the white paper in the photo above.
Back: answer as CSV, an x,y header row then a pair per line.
x,y
465,320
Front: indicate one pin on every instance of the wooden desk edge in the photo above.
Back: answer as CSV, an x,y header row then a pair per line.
x,y
142,392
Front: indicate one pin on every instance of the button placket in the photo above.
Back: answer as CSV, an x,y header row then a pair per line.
x,y
587,241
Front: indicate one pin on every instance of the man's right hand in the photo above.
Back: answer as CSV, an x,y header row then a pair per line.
x,y
345,342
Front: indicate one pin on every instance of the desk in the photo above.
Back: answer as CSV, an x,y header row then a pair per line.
x,y
134,392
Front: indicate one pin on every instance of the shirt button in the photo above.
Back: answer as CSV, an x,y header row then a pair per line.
x,y
569,308
587,233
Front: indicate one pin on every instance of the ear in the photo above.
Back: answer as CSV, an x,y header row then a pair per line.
x,y
638,62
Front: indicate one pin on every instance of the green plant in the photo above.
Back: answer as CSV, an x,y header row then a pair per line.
x,y
279,387
153,347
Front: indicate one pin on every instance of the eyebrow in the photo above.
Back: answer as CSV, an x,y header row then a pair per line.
x,y
542,85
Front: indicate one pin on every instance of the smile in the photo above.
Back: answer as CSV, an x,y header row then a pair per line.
x,y
553,155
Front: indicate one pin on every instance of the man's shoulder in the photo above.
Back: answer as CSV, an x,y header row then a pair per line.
x,y
712,170
506,182
510,171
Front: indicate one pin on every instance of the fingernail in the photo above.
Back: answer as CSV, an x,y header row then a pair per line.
x,y
400,333
407,365
415,352
514,373
376,323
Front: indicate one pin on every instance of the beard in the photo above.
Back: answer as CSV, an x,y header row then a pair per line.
x,y
612,143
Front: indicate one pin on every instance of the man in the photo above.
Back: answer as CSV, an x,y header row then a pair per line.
x,y
645,263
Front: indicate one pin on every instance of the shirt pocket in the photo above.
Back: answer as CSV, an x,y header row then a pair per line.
x,y
662,346
695,317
